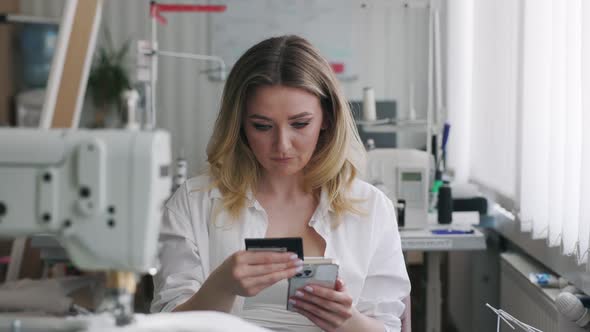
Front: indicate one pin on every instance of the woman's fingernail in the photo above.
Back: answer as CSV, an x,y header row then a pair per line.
x,y
299,269
294,257
292,301
299,294
298,262
308,288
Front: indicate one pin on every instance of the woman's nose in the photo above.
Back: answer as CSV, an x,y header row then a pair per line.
x,y
282,140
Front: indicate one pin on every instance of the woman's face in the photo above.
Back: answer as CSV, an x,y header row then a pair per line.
x,y
282,125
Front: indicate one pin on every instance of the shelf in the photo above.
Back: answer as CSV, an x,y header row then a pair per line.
x,y
423,239
393,125
395,128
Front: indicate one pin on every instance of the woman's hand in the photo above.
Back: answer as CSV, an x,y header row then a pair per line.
x,y
246,273
327,308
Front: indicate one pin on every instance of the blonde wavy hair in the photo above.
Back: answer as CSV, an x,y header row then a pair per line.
x,y
339,156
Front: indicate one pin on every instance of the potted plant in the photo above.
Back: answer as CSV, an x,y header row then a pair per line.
x,y
108,78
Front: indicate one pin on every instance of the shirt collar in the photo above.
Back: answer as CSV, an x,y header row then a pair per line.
x,y
325,201
324,206
215,193
250,200
322,211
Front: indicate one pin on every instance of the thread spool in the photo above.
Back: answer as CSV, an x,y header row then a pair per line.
x,y
370,144
181,171
445,204
369,108
131,98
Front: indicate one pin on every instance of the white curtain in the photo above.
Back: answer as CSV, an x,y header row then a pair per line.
x,y
536,103
493,130
459,63
584,227
554,131
530,114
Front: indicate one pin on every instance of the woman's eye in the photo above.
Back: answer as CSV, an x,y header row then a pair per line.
x,y
261,127
300,124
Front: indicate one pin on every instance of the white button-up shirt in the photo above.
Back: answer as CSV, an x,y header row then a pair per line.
x,y
366,247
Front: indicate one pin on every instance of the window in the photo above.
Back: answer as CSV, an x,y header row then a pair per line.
x,y
530,114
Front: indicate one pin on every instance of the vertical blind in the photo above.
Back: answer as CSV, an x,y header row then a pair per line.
x,y
584,226
493,131
555,131
530,131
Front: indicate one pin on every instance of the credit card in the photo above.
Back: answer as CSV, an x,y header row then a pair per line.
x,y
278,244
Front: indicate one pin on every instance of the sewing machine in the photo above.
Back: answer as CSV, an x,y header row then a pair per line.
x,y
403,174
100,193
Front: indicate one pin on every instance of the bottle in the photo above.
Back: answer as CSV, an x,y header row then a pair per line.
x,y
546,280
445,204
370,144
401,212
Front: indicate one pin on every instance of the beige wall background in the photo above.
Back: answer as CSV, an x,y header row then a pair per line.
x,y
188,101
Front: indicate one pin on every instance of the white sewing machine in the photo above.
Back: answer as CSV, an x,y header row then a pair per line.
x,y
99,192
403,174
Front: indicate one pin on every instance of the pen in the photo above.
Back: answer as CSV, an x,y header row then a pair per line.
x,y
451,231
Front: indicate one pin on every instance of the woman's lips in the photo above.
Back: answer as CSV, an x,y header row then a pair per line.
x,y
282,160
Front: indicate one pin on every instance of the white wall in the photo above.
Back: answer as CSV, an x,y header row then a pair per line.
x,y
392,50
188,101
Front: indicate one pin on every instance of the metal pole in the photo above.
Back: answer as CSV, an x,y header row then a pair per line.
x,y
151,121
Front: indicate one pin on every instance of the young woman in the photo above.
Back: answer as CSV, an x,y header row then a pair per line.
x,y
283,162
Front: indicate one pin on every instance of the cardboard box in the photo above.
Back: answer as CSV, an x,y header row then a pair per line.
x,y
6,62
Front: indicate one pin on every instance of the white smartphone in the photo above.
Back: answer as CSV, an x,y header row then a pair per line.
x,y
318,274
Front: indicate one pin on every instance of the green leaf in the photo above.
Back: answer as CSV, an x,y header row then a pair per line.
x,y
123,51
108,76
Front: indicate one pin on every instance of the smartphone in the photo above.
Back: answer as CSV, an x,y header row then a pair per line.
x,y
317,274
